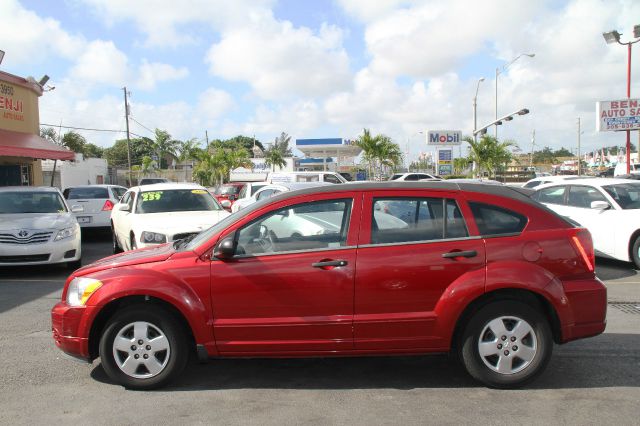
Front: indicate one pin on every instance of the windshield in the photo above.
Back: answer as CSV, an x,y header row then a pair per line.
x,y
229,190
176,200
627,195
31,202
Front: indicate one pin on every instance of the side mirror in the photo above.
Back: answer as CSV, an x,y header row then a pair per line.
x,y
225,249
600,205
124,208
226,204
77,209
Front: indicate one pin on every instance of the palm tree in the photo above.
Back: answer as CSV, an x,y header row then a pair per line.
x,y
163,145
188,150
389,153
274,157
379,151
489,154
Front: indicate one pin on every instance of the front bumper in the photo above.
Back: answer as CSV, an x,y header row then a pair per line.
x,y
42,253
587,313
71,326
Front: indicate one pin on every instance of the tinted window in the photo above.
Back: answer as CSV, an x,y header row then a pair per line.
x,y
254,188
532,184
85,193
229,190
396,176
398,220
266,194
582,196
414,177
175,200
308,226
552,195
118,192
243,192
31,202
493,220
331,179
627,195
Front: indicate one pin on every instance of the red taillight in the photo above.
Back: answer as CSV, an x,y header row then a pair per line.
x,y
584,246
108,205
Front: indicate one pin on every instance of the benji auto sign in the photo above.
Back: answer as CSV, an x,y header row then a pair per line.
x,y
618,115
444,137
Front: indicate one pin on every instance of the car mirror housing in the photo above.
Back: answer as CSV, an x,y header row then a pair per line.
x,y
600,205
226,249
226,204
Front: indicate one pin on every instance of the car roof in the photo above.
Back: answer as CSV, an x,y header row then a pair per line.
x,y
292,186
593,181
95,186
29,189
167,186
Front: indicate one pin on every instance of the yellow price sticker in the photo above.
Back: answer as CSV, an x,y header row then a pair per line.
x,y
198,191
151,196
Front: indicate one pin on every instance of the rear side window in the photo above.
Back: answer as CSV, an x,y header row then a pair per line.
x,y
494,220
87,193
552,195
118,192
331,179
308,178
397,220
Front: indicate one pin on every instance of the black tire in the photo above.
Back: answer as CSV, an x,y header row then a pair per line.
x,y
520,364
132,242
114,242
635,252
162,328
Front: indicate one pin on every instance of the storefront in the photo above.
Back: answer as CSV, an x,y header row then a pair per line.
x,y
21,147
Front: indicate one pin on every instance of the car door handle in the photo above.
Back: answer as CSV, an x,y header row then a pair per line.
x,y
454,254
330,263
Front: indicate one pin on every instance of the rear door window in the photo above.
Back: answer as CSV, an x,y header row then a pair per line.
x,y
397,220
582,196
494,220
551,195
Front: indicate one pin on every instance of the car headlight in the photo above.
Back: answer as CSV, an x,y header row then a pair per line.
x,y
80,289
65,233
152,238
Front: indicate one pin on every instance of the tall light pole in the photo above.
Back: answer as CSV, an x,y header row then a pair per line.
x,y
409,144
475,110
579,160
614,37
498,72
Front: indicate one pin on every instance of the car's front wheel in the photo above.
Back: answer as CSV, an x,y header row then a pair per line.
x,y
143,347
114,241
635,252
506,344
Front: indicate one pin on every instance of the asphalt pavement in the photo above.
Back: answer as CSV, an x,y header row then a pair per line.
x,y
590,381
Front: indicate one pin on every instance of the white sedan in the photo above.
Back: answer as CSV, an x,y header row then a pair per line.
x,y
161,213
272,189
36,227
608,208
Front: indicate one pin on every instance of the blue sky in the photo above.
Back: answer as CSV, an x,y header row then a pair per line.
x,y
324,68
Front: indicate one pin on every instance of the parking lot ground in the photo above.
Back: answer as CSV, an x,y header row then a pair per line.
x,y
590,381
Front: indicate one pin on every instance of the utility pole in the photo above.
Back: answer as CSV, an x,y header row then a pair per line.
x,y
533,143
579,161
126,117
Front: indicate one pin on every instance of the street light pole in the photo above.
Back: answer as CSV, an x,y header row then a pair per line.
x,y
613,37
498,72
475,110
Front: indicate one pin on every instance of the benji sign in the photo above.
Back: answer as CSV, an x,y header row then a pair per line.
x,y
618,115
444,137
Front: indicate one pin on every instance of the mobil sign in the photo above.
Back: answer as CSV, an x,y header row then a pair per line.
x,y
623,114
444,137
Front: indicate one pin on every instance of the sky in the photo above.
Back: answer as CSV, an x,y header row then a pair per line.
x,y
325,68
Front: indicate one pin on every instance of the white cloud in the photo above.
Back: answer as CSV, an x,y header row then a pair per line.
x,y
213,103
27,38
102,62
150,74
279,60
167,23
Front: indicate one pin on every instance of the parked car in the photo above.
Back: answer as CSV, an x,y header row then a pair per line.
x,y
37,227
608,207
413,176
543,180
228,193
151,181
270,190
156,214
621,169
94,203
291,177
481,270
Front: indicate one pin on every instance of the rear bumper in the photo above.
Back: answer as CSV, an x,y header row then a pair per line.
x,y
586,309
70,326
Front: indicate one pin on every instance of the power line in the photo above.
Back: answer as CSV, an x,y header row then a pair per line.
x,y
82,128
141,125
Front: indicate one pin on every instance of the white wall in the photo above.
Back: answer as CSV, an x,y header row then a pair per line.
x,y
81,172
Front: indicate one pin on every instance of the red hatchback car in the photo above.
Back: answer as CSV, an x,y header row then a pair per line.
x,y
360,269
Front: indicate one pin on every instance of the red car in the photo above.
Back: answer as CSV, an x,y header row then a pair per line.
x,y
480,270
228,191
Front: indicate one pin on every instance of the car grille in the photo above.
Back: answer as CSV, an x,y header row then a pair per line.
x,y
177,237
27,258
35,238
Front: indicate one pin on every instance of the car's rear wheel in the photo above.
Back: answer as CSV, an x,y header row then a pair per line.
x,y
114,242
132,242
506,344
143,347
635,252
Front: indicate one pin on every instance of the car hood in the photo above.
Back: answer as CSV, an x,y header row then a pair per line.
x,y
171,223
36,221
136,257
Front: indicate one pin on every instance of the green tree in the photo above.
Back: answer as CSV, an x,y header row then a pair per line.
x,y
164,146
563,152
460,165
93,151
116,155
187,151
379,151
489,154
282,143
390,154
74,141
50,134
245,142
546,156
273,157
